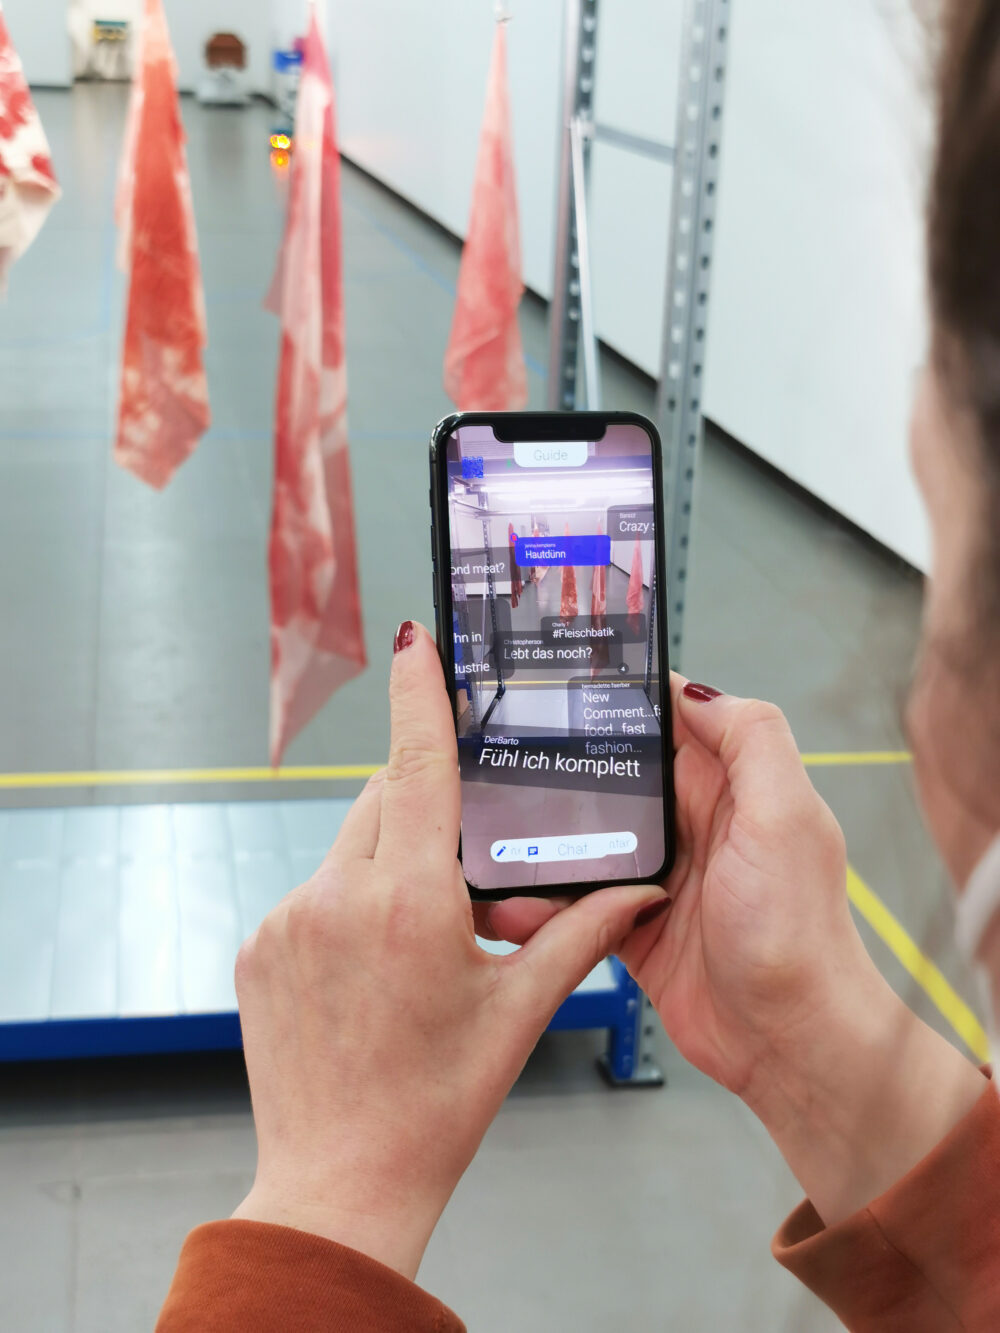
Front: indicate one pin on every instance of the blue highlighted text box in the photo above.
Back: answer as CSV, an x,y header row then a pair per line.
x,y
592,550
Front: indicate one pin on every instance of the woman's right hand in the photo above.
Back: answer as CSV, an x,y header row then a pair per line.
x,y
758,972
759,945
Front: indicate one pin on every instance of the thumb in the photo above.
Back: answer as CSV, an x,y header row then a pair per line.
x,y
561,953
753,742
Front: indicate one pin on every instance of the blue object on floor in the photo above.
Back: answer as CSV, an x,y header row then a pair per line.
x,y
119,927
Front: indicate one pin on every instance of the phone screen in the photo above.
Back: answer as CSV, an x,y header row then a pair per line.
x,y
556,657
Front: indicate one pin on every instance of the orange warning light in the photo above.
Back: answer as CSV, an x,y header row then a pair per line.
x,y
281,141
280,159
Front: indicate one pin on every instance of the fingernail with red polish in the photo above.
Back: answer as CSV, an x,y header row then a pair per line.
x,y
701,694
404,636
650,912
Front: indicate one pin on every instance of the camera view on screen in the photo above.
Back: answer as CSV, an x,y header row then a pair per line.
x,y
556,660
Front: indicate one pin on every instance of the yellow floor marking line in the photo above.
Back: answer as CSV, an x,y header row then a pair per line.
x,y
154,776
925,973
147,777
846,757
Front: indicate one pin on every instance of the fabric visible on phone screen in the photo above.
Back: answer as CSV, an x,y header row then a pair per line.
x,y
599,595
633,599
516,587
568,605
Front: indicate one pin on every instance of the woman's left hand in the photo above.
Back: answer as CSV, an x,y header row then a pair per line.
x,y
380,1039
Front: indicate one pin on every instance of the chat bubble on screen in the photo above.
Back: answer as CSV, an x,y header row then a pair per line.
x,y
521,650
627,523
594,629
628,766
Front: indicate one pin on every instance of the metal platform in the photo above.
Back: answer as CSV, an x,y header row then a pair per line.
x,y
119,927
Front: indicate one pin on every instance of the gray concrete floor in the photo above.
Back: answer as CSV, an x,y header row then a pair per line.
x,y
136,637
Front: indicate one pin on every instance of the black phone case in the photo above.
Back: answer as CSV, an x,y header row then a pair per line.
x,y
556,426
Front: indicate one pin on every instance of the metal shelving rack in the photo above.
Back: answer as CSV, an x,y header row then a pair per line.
x,y
573,336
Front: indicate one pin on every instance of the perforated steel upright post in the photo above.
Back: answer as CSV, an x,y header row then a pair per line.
x,y
685,320
631,1055
579,55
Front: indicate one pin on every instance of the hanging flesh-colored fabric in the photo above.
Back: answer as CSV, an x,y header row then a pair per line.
x,y
317,641
598,596
538,571
633,598
516,586
599,655
599,604
28,186
163,400
484,363
568,604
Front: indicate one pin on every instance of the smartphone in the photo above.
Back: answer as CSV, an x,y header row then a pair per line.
x,y
549,590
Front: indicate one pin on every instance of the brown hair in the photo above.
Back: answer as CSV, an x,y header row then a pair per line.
x,y
964,228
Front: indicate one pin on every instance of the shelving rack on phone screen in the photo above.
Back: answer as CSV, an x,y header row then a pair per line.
x,y
694,156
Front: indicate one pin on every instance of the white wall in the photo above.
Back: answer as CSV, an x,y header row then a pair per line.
x,y
410,84
289,19
192,22
816,323
130,10
40,33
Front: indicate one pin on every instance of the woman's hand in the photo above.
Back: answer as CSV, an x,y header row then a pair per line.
x,y
760,938
380,1039
761,943
759,974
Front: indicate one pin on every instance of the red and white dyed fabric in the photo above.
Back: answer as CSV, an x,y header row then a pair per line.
x,y
28,186
633,598
484,364
599,596
538,571
599,654
163,400
516,587
317,641
568,605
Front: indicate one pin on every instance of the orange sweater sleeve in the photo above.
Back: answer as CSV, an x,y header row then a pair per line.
x,y
254,1278
925,1256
